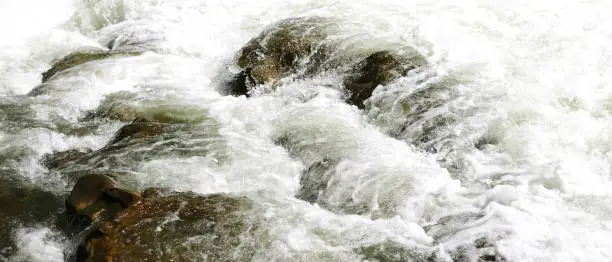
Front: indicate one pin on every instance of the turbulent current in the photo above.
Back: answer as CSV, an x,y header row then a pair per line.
x,y
498,150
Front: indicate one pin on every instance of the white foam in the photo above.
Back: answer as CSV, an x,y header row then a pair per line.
x,y
38,244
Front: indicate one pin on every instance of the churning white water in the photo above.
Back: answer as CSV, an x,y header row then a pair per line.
x,y
504,154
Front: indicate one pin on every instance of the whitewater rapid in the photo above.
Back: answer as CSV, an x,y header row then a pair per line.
x,y
508,138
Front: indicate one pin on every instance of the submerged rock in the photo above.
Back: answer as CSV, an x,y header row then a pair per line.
x,y
78,58
119,107
99,196
481,247
178,227
481,250
59,160
117,111
156,192
286,47
140,128
142,132
391,251
425,116
158,134
379,68
313,181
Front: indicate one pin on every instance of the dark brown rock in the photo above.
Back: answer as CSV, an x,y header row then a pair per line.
x,y
99,196
179,227
379,68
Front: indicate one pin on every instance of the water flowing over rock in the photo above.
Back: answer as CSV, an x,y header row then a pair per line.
x,y
314,179
79,58
158,133
141,128
63,159
116,111
390,251
295,45
476,248
164,136
141,132
389,131
126,107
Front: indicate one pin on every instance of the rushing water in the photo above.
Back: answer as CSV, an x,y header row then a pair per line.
x,y
506,150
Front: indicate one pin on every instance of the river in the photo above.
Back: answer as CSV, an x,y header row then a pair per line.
x,y
505,156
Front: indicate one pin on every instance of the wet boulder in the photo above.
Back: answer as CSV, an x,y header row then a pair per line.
x,y
81,57
100,197
295,45
177,227
379,68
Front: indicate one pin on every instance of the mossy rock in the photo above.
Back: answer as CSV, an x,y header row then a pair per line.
x,y
286,47
178,227
82,57
379,68
22,204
